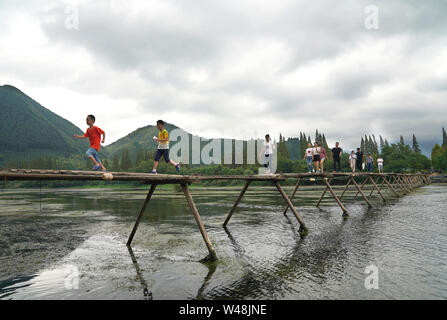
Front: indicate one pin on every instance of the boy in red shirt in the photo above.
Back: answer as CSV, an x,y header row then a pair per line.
x,y
93,133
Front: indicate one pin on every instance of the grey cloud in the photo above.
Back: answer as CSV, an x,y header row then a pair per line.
x,y
248,50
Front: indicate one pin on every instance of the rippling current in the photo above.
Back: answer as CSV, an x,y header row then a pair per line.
x,y
70,244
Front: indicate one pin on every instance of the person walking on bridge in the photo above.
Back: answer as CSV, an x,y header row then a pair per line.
x,y
380,164
353,160
370,162
267,150
336,155
309,157
317,156
323,156
359,163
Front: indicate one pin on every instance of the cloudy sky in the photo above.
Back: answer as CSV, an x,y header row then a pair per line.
x,y
213,66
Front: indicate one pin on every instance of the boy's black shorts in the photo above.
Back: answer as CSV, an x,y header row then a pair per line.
x,y
160,153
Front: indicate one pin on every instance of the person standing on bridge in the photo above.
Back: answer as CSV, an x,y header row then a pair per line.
x,y
93,133
353,160
267,150
380,164
309,157
336,155
359,155
163,147
323,156
316,150
370,162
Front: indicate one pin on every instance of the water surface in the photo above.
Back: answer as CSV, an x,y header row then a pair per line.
x,y
70,244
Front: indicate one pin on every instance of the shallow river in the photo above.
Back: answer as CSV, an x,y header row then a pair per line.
x,y
70,244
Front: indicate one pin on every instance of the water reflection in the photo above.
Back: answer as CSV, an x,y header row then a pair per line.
x,y
146,294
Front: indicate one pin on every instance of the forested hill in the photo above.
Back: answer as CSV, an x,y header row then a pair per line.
x,y
29,130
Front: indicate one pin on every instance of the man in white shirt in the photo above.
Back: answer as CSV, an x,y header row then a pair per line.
x,y
380,164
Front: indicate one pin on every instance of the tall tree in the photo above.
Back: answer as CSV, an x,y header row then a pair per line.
x,y
125,160
444,138
282,147
140,157
115,164
416,147
402,141
382,143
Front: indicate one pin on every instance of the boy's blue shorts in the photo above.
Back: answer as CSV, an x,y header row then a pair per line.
x,y
92,152
162,152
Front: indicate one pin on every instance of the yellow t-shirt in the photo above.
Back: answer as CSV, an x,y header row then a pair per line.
x,y
163,134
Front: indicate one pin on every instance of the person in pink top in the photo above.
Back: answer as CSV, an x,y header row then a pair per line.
x,y
323,156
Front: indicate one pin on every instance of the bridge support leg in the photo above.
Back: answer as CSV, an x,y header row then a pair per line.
x,y
297,185
377,188
212,254
303,229
322,196
361,192
361,186
345,212
237,202
401,185
140,215
373,189
346,188
391,187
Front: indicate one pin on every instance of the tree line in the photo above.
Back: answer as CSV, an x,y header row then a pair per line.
x,y
398,157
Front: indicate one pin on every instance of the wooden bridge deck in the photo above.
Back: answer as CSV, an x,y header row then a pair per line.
x,y
386,185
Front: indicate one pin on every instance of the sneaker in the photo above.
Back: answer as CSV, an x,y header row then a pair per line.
x,y
96,168
177,167
154,172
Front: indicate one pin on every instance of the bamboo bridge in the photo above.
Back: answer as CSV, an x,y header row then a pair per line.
x,y
387,186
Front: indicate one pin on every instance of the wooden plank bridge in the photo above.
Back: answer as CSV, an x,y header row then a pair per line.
x,y
387,185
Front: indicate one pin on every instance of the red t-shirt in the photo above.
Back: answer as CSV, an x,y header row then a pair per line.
x,y
94,135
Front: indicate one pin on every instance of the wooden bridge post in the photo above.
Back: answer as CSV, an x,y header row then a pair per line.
x,y
303,229
361,192
322,196
212,254
247,183
373,189
361,186
140,215
345,212
297,185
391,187
346,188
409,182
378,190
401,184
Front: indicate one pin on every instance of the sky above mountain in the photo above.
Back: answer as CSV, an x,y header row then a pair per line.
x,y
234,68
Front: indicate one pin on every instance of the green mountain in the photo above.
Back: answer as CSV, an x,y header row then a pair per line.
x,y
29,130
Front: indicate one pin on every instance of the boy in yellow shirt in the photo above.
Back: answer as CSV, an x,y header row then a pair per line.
x,y
163,147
